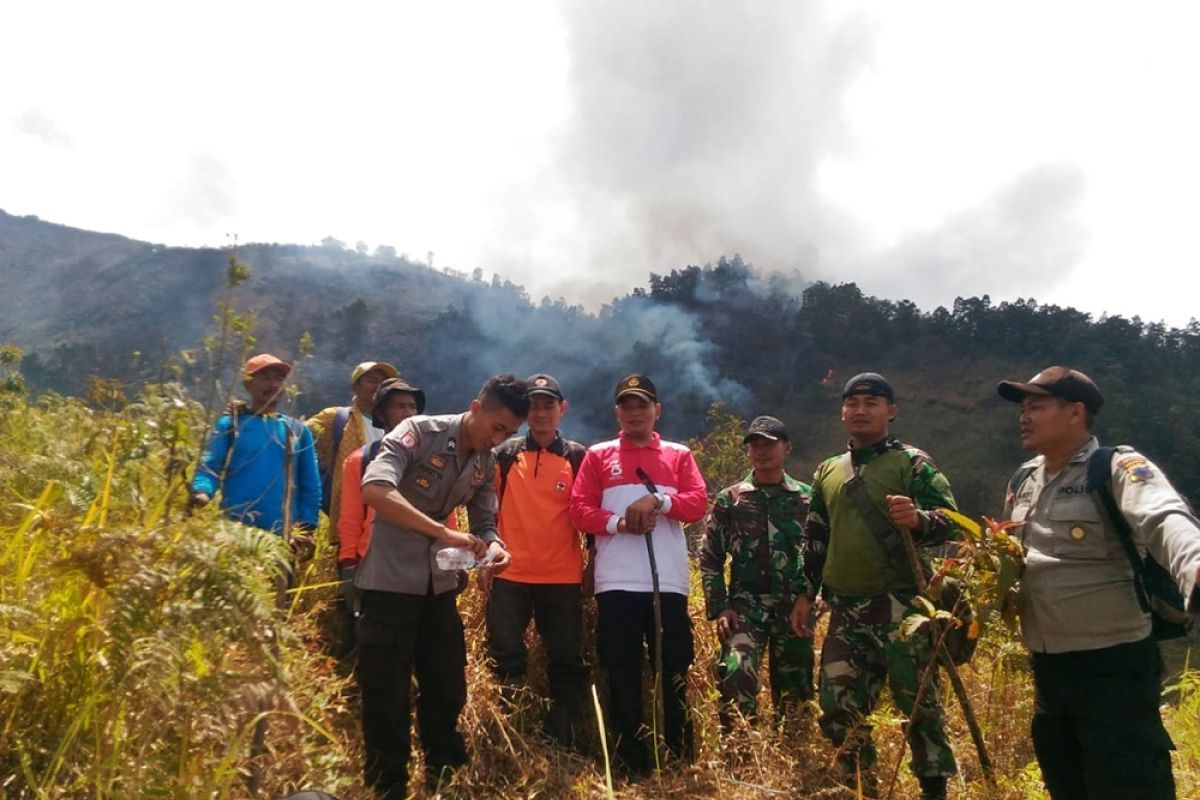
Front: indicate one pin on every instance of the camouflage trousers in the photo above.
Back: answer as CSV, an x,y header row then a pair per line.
x,y
762,628
863,648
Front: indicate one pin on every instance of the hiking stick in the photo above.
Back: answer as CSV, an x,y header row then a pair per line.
x,y
659,707
942,655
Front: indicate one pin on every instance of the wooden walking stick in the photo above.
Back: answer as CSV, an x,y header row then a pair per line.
x,y
938,632
659,707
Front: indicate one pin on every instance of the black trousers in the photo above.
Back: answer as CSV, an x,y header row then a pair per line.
x,y
557,611
398,633
1097,730
624,624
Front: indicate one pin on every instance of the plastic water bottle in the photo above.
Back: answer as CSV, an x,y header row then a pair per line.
x,y
453,558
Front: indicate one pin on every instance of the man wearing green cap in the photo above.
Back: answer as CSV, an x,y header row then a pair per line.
x,y
756,524
860,499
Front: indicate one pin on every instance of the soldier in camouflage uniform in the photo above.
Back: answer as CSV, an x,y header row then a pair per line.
x,y
868,595
756,524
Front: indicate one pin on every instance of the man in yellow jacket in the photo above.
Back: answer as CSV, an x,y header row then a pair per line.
x,y
340,430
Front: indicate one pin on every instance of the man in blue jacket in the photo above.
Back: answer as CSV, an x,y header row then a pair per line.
x,y
246,459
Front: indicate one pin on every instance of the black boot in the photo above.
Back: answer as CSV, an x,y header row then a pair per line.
x,y
933,788
854,769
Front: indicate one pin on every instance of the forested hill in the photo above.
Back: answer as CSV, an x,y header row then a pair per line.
x,y
82,304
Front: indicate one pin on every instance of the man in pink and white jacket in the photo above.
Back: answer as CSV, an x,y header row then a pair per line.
x,y
616,504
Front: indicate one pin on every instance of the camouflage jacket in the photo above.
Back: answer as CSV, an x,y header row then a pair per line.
x,y
759,532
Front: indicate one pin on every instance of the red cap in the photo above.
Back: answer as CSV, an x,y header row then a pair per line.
x,y
261,361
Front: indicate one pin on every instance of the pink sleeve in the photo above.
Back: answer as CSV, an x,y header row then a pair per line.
x,y
586,513
350,516
690,503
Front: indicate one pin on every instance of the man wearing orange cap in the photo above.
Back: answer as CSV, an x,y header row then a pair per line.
x,y
341,430
246,456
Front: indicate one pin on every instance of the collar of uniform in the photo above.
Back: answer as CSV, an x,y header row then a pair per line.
x,y
1086,451
864,455
558,447
748,483
655,442
454,445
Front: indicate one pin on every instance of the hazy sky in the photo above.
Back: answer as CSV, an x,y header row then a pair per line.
x,y
922,149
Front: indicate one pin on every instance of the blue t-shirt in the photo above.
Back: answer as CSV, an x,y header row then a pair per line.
x,y
246,463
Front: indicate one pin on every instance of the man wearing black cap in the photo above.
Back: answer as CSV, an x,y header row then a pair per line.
x,y
860,498
1097,668
756,524
635,486
535,474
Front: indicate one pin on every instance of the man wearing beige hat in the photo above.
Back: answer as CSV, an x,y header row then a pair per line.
x,y
340,430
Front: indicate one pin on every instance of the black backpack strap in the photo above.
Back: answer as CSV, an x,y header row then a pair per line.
x,y
370,451
1018,479
574,453
506,455
339,428
1099,485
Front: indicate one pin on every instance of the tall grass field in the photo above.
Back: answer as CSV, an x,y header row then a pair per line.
x,y
144,653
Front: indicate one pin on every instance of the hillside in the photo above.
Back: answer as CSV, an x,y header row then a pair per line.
x,y
82,303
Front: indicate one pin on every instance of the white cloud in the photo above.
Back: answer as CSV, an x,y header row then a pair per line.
x,y
577,146
204,196
34,122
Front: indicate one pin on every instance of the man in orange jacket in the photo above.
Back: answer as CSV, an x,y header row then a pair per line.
x,y
535,474
395,401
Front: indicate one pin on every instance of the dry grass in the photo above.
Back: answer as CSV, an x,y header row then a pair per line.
x,y
788,758
141,656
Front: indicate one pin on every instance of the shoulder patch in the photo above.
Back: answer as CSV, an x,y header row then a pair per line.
x,y
409,440
1136,468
